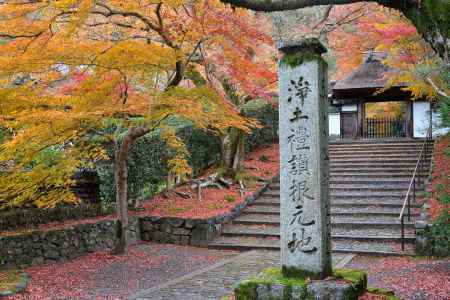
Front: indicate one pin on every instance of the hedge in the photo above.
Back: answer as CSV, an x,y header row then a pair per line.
x,y
147,163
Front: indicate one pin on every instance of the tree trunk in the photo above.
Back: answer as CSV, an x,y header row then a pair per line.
x,y
121,181
427,15
232,152
179,74
239,153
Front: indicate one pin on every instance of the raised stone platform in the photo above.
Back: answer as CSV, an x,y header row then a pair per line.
x,y
272,285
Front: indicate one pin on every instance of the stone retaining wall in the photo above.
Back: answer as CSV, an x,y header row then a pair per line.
x,y
37,247
195,232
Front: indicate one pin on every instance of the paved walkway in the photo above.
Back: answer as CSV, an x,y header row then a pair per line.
x,y
218,280
157,271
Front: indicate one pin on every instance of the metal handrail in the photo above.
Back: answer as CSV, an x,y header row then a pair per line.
x,y
412,185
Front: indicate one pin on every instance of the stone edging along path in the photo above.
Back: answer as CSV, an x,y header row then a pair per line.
x,y
42,246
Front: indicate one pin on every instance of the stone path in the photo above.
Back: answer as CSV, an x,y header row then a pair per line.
x,y
218,280
100,275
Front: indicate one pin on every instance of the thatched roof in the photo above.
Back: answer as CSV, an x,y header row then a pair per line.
x,y
366,81
371,73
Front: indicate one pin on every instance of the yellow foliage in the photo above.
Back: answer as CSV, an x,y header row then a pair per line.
x,y
68,66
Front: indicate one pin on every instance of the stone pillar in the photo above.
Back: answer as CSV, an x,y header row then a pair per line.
x,y
304,187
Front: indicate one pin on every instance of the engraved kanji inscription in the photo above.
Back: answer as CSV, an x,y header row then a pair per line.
x,y
300,89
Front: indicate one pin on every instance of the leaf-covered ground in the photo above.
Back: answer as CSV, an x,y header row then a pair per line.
x,y
262,163
103,276
411,278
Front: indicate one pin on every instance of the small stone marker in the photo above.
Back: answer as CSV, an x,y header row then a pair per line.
x,y
304,187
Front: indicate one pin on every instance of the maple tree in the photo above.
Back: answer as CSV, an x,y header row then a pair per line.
x,y
430,17
75,71
351,30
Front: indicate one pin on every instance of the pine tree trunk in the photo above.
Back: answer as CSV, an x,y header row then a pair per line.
x,y
121,181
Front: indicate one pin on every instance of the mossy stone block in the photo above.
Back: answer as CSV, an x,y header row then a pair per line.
x,y
357,278
271,284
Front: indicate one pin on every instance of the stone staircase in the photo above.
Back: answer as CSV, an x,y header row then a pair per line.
x,y
368,184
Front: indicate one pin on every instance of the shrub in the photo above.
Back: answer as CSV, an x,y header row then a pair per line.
x,y
147,162
229,198
267,116
438,234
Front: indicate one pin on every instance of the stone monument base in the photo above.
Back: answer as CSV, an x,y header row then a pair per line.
x,y
272,285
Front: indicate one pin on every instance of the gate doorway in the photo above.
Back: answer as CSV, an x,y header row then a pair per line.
x,y
349,125
385,120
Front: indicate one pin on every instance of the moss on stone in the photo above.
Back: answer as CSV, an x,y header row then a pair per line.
x,y
247,289
383,292
295,59
277,276
357,278
293,272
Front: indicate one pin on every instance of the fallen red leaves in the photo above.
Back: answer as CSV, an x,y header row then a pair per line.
x,y
213,201
409,277
370,296
440,182
101,275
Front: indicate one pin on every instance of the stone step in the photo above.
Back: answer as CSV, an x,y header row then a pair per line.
x,y
377,145
371,176
375,161
389,184
335,221
396,189
336,181
345,203
369,211
342,246
383,152
372,164
372,181
354,199
377,157
380,225
274,231
377,170
366,217
355,192
360,148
